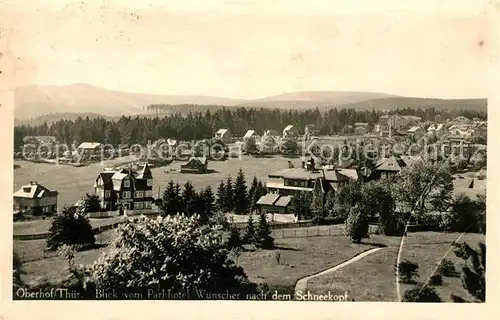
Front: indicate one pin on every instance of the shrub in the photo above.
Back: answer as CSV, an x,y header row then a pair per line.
x,y
465,216
356,225
263,238
430,222
234,240
72,227
17,270
407,271
446,268
421,293
474,270
174,253
436,280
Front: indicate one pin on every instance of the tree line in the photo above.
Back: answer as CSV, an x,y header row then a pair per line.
x,y
202,124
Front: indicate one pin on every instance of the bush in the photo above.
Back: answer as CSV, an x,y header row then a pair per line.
x,y
446,268
474,270
72,227
174,253
234,240
436,280
430,222
356,225
421,293
465,216
263,238
407,271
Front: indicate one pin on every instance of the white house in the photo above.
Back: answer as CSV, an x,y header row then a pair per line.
x,y
290,131
224,135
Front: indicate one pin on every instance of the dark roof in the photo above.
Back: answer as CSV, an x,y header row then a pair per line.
x,y
268,199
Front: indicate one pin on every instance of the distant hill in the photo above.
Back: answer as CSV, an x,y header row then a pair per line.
x,y
33,101
313,99
419,103
37,104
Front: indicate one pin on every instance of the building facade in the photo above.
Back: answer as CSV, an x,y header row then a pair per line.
x,y
125,188
35,199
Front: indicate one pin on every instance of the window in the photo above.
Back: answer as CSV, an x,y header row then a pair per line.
x,y
139,194
138,205
107,193
126,183
150,182
126,194
149,193
147,204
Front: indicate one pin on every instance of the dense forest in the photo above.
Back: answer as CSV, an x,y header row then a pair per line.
x,y
201,125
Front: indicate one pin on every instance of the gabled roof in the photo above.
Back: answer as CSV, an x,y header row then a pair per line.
x,y
414,129
202,160
392,163
89,145
43,139
350,173
283,201
143,171
268,199
361,124
288,127
249,134
34,190
222,131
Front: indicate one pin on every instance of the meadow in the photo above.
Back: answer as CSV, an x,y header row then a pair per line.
x,y
373,279
73,182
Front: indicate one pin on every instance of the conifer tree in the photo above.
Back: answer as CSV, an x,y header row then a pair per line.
x,y
221,197
252,193
189,199
171,200
208,201
234,241
250,231
229,195
263,238
240,199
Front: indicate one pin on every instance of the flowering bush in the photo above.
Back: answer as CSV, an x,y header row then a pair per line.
x,y
174,253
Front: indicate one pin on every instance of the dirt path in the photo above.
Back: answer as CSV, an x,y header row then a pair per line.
x,y
302,283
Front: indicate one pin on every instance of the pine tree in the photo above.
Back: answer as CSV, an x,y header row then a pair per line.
x,y
240,194
263,238
221,197
250,231
189,199
207,203
229,195
252,193
171,200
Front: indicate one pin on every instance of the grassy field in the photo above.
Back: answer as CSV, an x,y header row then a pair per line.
x,y
73,182
372,278
53,268
299,257
42,226
462,185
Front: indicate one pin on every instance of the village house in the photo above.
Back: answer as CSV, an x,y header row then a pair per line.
x,y
480,129
125,189
195,165
89,149
224,135
389,167
437,128
250,134
35,199
290,132
416,132
361,128
42,144
318,181
457,146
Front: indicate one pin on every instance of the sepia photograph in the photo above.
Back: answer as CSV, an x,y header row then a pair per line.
x,y
248,151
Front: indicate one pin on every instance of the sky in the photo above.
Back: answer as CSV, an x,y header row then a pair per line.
x,y
247,49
